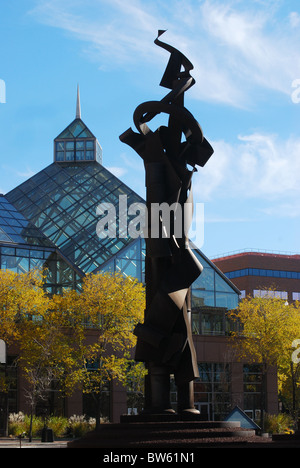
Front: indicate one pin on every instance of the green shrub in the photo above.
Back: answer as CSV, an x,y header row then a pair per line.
x,y
19,422
58,424
79,425
278,423
75,426
16,423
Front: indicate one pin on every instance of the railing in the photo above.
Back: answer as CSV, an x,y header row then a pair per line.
x,y
251,250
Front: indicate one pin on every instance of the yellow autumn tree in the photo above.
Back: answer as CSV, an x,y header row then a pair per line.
x,y
289,363
110,304
267,327
23,310
21,296
51,335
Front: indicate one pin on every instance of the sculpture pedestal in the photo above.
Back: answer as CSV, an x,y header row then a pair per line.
x,y
151,432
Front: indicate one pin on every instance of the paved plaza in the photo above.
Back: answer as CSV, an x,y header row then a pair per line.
x,y
9,442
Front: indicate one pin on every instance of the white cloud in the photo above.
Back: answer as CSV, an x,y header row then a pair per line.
x,y
235,46
26,174
294,18
117,171
257,166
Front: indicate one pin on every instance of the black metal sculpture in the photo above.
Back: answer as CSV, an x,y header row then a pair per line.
x,y
165,338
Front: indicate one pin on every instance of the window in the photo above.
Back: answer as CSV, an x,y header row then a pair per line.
x,y
79,145
60,151
252,377
210,321
228,300
79,155
60,146
89,155
89,145
266,293
74,150
243,294
263,272
296,296
70,155
70,145
212,390
80,150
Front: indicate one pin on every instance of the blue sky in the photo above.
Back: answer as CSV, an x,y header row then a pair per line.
x,y
246,57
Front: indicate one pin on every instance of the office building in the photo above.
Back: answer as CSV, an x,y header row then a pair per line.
x,y
255,272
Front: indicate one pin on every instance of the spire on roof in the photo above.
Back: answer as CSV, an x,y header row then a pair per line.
x,y
78,110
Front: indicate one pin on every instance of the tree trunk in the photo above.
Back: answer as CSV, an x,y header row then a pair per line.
x,y
263,397
30,425
97,401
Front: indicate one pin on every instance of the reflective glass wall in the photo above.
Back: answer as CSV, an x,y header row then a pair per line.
x,y
59,274
212,297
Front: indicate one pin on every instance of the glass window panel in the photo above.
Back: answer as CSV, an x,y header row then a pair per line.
x,y
59,237
98,152
202,298
228,300
70,155
79,145
22,252
66,202
16,264
129,267
89,144
64,272
49,188
66,134
212,323
196,323
222,285
89,155
36,263
51,170
10,230
85,133
4,237
59,156
36,253
50,271
72,228
205,280
16,194
79,155
14,222
69,145
77,127
60,146
60,178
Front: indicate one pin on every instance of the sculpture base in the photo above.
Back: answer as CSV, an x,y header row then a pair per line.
x,y
162,417
167,431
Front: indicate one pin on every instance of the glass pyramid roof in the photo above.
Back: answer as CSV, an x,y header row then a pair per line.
x,y
76,129
14,228
62,201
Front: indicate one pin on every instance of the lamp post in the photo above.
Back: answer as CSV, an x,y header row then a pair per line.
x,y
3,360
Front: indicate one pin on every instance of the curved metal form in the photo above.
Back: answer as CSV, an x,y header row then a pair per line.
x,y
165,338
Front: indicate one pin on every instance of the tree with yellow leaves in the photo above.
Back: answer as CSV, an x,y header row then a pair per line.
x,y
23,312
111,305
267,327
21,297
61,338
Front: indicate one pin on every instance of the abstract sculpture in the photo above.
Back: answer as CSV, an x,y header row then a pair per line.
x,y
165,338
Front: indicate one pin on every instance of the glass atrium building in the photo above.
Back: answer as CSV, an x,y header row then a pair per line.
x,y
51,220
